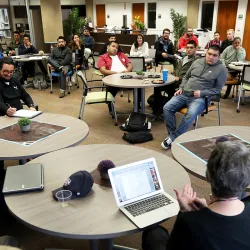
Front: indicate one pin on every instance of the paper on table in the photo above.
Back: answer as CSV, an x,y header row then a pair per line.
x,y
26,113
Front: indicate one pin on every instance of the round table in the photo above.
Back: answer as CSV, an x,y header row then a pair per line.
x,y
236,67
136,83
95,216
191,162
77,130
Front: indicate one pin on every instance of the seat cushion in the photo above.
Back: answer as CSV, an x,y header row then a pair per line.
x,y
100,96
246,86
210,108
234,81
165,63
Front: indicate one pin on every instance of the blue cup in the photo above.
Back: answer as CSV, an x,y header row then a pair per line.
x,y
164,75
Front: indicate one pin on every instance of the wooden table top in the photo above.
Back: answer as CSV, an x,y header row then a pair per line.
x,y
95,216
116,81
77,130
193,164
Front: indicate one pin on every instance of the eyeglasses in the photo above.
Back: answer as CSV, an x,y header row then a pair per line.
x,y
7,72
192,47
167,33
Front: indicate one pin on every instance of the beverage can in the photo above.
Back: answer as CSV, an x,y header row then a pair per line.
x,y
164,75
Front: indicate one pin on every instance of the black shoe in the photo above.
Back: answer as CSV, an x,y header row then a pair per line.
x,y
225,96
166,144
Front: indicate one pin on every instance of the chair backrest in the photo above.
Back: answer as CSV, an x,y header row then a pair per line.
x,y
245,77
151,53
138,63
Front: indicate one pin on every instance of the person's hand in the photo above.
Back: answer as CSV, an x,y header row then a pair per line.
x,y
11,111
178,92
165,55
32,108
197,93
238,47
29,44
78,45
124,71
12,52
198,204
187,197
177,78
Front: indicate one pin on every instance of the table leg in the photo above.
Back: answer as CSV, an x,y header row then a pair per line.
x,y
135,100
93,244
110,246
143,100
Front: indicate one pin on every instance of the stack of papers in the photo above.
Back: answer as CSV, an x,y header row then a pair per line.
x,y
239,63
26,113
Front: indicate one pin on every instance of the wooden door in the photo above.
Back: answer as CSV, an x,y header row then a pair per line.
x,y
246,38
226,18
100,15
138,10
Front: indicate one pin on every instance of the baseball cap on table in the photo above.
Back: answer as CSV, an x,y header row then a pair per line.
x,y
79,183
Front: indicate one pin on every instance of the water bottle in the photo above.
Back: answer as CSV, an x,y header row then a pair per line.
x,y
16,51
164,75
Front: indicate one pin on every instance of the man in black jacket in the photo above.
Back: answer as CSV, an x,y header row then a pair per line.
x,y
60,60
165,49
28,68
11,91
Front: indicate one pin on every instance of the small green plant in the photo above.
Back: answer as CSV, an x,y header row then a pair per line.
x,y
140,73
24,122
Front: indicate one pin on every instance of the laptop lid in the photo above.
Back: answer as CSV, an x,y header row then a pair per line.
x,y
135,181
23,178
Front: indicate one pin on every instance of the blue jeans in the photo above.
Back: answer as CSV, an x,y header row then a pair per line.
x,y
195,107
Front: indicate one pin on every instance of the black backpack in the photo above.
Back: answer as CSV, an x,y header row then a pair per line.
x,y
137,137
135,122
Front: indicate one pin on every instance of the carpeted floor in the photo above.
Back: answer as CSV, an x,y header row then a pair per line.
x,y
102,130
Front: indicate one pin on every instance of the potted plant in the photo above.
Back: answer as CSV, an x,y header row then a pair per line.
x,y
139,25
140,74
103,168
179,25
24,124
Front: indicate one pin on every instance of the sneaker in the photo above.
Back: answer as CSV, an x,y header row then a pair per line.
x,y
62,94
166,143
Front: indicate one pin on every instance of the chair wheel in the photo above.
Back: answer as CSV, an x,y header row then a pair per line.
x,y
202,114
116,124
68,93
113,117
238,111
78,86
243,103
75,84
51,92
232,96
129,101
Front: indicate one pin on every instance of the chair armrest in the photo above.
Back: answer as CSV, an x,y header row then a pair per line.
x,y
213,98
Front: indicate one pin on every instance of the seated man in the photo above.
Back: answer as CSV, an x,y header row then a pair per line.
x,y
215,41
179,72
112,38
28,68
60,60
88,41
205,77
11,91
114,62
14,44
186,38
165,49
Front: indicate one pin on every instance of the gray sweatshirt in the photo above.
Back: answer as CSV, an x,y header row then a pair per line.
x,y
230,54
207,78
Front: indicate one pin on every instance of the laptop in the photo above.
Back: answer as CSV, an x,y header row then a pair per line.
x,y
139,193
23,178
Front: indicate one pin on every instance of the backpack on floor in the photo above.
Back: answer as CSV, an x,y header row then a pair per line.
x,y
39,78
137,137
136,122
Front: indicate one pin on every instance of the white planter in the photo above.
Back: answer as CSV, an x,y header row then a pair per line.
x,y
25,128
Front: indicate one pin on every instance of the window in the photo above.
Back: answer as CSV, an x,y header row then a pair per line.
x,y
207,15
152,15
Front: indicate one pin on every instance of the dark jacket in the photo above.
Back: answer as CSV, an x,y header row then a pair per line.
x,y
62,55
12,94
225,44
79,53
22,50
163,46
105,47
89,42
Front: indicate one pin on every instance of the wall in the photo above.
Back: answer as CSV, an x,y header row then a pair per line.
x,y
240,23
192,13
163,7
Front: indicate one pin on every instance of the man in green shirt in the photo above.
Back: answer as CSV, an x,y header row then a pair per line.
x,y
14,44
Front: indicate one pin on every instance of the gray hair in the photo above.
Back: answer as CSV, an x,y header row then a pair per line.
x,y
228,169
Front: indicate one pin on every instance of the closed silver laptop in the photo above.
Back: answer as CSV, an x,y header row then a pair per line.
x,y
23,178
139,193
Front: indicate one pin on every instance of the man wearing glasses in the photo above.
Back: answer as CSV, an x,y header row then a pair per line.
x,y
205,77
165,49
11,91
179,72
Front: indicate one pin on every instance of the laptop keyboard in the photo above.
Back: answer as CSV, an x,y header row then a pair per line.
x,y
148,205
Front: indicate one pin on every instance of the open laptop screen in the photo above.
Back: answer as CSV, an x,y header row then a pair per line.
x,y
135,180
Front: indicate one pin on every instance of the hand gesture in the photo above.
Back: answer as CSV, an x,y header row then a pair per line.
x,y
11,111
197,93
178,92
199,204
165,55
187,197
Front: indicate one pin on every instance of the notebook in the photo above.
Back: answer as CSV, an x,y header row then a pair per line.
x,y
26,113
23,178
139,193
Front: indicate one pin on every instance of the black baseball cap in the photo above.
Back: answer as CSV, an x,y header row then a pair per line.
x,y
79,183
